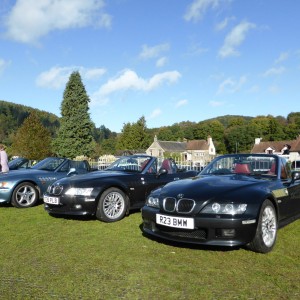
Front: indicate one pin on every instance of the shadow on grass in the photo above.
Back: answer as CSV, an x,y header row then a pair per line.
x,y
188,245
74,217
88,217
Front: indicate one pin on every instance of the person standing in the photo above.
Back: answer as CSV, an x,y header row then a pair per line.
x,y
3,159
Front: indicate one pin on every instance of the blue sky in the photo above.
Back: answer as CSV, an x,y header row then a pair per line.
x,y
166,60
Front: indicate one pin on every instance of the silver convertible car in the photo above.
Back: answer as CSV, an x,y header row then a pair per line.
x,y
24,187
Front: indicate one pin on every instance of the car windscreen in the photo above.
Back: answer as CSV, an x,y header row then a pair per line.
x,y
242,164
49,164
129,163
16,162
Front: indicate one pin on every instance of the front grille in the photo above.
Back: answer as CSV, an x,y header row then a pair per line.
x,y
183,206
169,204
55,189
199,234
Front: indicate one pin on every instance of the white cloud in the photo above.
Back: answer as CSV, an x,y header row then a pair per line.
x,y
222,25
155,51
196,49
181,103
155,113
230,85
235,39
3,65
105,20
29,20
92,74
161,62
57,77
129,80
274,71
198,8
282,57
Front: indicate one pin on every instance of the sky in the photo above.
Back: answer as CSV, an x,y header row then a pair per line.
x,y
166,60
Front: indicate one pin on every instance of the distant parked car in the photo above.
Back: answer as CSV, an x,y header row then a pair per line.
x,y
239,199
111,193
19,163
24,187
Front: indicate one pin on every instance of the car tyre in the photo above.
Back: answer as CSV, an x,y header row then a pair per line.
x,y
25,195
112,205
266,231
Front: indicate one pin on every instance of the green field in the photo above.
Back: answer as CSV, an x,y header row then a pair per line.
x,y
43,257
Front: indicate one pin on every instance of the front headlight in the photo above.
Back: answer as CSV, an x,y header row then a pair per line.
x,y
152,201
79,191
224,208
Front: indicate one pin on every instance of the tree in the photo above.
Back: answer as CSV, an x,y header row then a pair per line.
x,y
236,121
213,128
74,137
241,138
108,146
134,136
104,133
166,134
32,140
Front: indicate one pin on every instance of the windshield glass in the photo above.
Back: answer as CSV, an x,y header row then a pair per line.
x,y
49,164
243,164
17,162
130,163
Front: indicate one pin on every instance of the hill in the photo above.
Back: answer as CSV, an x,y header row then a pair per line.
x,y
13,115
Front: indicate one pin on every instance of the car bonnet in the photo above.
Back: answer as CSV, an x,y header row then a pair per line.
x,y
207,187
91,177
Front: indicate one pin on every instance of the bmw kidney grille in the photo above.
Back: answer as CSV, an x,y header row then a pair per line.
x,y
183,206
56,189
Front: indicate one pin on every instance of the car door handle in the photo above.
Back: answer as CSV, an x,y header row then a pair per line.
x,y
176,178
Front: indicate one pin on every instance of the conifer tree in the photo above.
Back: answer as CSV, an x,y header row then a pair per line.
x,y
134,136
74,137
32,140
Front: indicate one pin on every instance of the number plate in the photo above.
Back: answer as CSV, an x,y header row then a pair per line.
x,y
51,200
177,222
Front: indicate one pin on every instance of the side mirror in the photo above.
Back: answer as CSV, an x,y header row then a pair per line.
x,y
295,175
162,171
71,172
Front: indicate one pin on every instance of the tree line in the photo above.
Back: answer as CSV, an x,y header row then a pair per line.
x,y
36,134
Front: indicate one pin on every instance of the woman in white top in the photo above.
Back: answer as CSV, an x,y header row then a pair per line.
x,y
3,159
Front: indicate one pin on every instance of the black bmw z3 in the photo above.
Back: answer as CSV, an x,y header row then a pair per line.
x,y
110,194
237,200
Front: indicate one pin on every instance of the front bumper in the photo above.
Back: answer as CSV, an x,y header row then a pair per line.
x,y
5,195
212,231
77,206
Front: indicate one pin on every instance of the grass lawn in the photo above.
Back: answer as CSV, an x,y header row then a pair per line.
x,y
44,257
